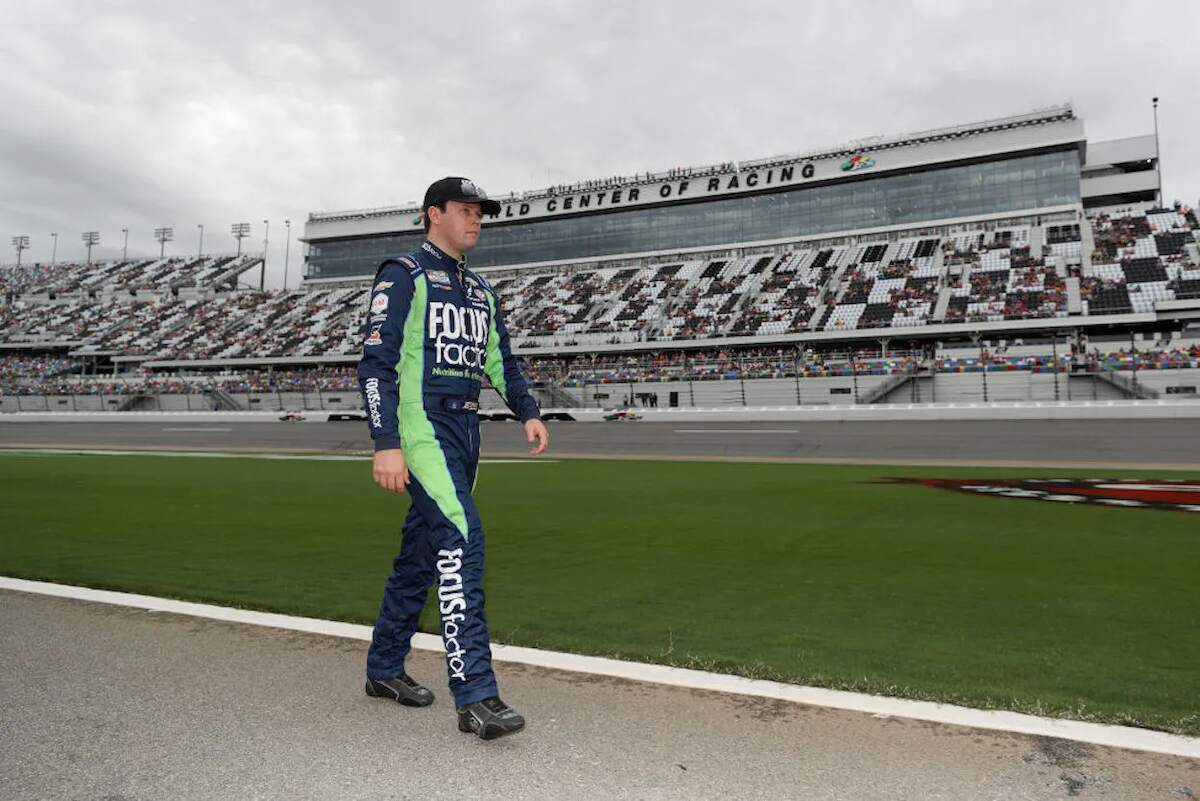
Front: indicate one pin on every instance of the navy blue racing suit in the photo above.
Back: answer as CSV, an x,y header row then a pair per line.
x,y
434,331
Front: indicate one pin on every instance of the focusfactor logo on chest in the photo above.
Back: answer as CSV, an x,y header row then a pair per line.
x,y
459,334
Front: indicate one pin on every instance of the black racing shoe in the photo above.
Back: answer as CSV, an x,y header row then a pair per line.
x,y
489,718
402,689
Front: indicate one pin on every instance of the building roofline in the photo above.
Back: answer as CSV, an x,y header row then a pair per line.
x,y
1048,114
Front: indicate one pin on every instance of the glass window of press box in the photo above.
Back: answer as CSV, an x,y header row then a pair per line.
x,y
1027,182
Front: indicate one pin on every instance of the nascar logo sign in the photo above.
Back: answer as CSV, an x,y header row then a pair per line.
x,y
1171,494
859,162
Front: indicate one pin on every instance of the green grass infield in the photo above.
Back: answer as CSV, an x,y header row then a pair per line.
x,y
811,574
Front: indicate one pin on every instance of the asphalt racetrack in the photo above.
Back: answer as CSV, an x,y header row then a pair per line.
x,y
1085,443
117,702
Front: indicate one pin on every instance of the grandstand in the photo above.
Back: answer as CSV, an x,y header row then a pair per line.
x,y
845,274
153,276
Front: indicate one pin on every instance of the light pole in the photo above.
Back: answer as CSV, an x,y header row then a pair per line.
x,y
20,243
262,276
1157,153
91,238
200,249
1054,346
286,249
1134,354
240,231
125,247
163,235
54,250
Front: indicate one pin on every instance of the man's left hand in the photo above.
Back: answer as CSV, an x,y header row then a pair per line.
x,y
536,429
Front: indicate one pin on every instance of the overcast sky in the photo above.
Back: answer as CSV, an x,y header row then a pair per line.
x,y
139,115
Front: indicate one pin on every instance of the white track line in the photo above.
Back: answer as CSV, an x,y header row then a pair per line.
x,y
314,457
1095,733
736,431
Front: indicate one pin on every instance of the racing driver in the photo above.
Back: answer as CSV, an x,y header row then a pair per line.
x,y
434,331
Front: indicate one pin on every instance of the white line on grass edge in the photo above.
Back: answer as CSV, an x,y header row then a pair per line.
x,y
879,706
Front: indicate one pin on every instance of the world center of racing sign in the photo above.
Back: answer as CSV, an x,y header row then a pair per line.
x,y
1179,495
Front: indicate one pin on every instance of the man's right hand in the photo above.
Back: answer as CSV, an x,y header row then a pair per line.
x,y
391,470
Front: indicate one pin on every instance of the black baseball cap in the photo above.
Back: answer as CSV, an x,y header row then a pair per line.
x,y
461,189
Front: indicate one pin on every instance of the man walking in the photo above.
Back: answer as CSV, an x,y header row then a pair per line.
x,y
435,329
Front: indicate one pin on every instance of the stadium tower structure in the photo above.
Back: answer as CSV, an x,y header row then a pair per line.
x,y
1038,163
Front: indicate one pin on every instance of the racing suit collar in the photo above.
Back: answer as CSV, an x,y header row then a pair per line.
x,y
441,254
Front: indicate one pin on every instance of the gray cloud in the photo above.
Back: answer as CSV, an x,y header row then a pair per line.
x,y
138,115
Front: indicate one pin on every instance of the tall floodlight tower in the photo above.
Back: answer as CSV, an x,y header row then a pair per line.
x,y
1157,152
262,277
287,245
90,238
20,243
125,246
240,231
54,249
163,235
200,248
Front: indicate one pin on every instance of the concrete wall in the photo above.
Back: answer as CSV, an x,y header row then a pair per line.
x,y
194,402
27,403
490,400
943,388
1160,380
292,400
1001,387
1105,185
341,401
258,401
1118,151
174,403
60,403
754,392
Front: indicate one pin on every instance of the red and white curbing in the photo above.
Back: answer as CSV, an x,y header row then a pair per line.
x,y
1093,733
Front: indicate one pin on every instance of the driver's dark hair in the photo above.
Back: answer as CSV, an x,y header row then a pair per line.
x,y
425,214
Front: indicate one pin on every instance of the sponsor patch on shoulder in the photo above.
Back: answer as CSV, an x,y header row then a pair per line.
x,y
379,304
374,338
439,278
382,285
